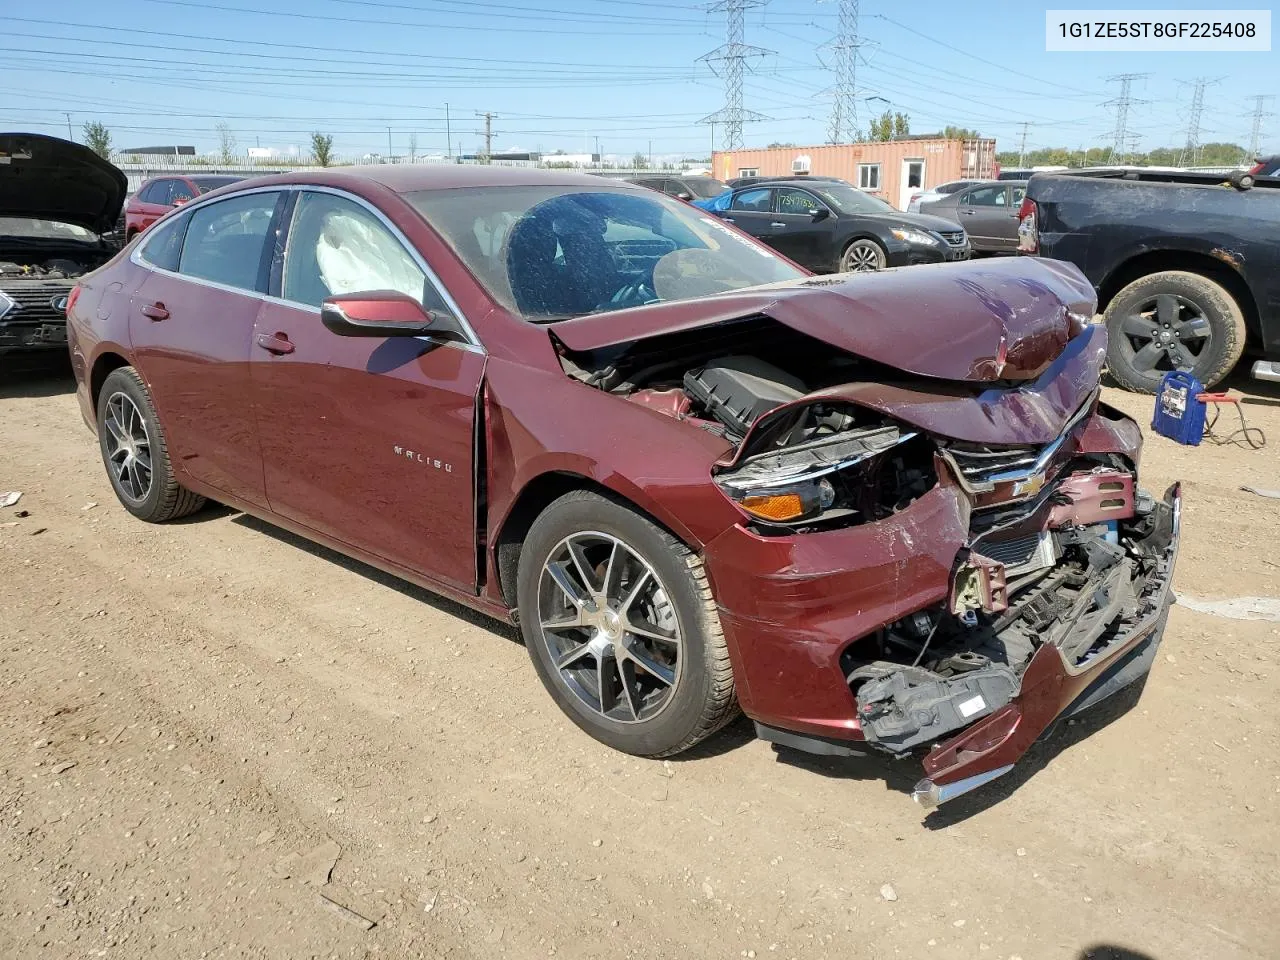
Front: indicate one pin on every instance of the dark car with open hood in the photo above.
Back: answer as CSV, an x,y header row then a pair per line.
x,y
57,199
886,512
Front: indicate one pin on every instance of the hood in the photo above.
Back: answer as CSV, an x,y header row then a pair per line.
x,y
975,321
46,178
922,221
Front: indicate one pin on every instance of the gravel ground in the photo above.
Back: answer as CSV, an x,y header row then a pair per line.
x,y
217,740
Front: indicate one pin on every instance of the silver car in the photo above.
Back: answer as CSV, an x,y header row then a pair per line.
x,y
988,211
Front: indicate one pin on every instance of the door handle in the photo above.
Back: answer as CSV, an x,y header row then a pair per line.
x,y
967,213
155,311
729,220
779,226
276,343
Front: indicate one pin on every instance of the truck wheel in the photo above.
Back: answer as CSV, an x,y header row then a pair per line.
x,y
862,256
622,629
1172,321
135,453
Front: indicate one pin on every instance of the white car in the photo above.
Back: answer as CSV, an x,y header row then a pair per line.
x,y
935,193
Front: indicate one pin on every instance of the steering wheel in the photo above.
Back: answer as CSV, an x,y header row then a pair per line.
x,y
635,294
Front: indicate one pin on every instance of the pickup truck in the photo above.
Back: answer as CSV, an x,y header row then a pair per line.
x,y
1186,265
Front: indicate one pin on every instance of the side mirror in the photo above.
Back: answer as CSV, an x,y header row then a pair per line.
x,y
686,197
377,313
821,214
180,201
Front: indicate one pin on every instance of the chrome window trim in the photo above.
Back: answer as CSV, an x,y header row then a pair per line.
x,y
472,344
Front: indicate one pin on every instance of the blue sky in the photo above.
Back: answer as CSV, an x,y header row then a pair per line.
x,y
560,73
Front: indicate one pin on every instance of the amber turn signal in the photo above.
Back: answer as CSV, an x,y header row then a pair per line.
x,y
781,506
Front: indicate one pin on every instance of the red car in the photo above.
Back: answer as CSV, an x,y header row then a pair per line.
x,y
159,195
875,512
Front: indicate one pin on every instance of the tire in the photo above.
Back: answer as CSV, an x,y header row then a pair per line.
x,y
1172,320
647,717
863,256
125,407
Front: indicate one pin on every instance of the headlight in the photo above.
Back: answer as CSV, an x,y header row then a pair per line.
x,y
916,237
793,501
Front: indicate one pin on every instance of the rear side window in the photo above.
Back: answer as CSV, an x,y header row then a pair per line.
x,y
757,200
163,247
157,192
987,197
225,241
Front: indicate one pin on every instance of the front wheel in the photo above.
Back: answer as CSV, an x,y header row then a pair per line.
x,y
863,256
1172,320
621,627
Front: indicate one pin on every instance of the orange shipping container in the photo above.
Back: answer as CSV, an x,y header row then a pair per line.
x,y
892,170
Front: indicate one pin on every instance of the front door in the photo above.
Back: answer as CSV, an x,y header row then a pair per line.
x,y
797,234
989,217
369,441
191,322
912,181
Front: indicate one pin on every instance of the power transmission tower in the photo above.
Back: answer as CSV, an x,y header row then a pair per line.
x,y
488,135
1022,144
1190,155
1121,139
843,124
1260,113
728,61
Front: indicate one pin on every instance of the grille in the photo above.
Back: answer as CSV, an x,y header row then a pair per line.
x,y
33,302
954,237
1012,553
979,466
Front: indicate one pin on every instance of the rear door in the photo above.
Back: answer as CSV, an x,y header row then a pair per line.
x,y
366,440
192,324
796,233
986,213
751,211
152,203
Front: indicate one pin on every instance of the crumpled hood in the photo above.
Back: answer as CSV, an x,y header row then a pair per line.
x,y
977,321
46,178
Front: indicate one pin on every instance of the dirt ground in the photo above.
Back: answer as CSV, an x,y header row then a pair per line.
x,y
212,732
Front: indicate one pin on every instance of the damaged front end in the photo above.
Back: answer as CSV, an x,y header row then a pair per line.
x,y
943,555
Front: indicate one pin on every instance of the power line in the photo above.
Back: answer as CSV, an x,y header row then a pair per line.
x,y
1190,154
843,125
1022,145
1259,114
488,135
1121,140
732,56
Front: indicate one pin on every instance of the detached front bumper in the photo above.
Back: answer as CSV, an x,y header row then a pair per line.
x,y
790,606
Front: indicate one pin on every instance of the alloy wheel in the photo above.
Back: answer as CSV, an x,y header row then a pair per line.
x,y
1167,332
862,258
609,627
128,447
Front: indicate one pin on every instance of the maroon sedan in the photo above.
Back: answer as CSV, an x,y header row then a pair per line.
x,y
876,512
159,195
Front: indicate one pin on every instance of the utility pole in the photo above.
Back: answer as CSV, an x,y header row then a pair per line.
x,y
488,135
69,136
650,154
598,157
843,125
1022,146
1260,113
1120,138
728,61
448,133
1190,155
388,144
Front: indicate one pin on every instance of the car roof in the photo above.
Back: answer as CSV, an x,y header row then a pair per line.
x,y
412,177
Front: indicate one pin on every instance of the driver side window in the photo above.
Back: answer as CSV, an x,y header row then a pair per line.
x,y
337,246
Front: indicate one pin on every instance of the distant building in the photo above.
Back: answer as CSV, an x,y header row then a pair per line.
x,y
892,170
158,151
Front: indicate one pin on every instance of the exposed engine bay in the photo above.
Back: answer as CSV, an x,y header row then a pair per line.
x,y
55,268
1063,550
33,299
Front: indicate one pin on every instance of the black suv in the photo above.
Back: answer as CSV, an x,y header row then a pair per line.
x,y
831,226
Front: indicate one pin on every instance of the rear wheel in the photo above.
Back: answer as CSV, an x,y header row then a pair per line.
x,y
135,453
863,256
1172,321
619,621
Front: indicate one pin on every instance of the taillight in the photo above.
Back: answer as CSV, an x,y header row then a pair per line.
x,y
71,300
1256,169
1028,229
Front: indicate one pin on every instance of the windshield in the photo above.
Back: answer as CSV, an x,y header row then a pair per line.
x,y
704,187
30,229
550,253
849,199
